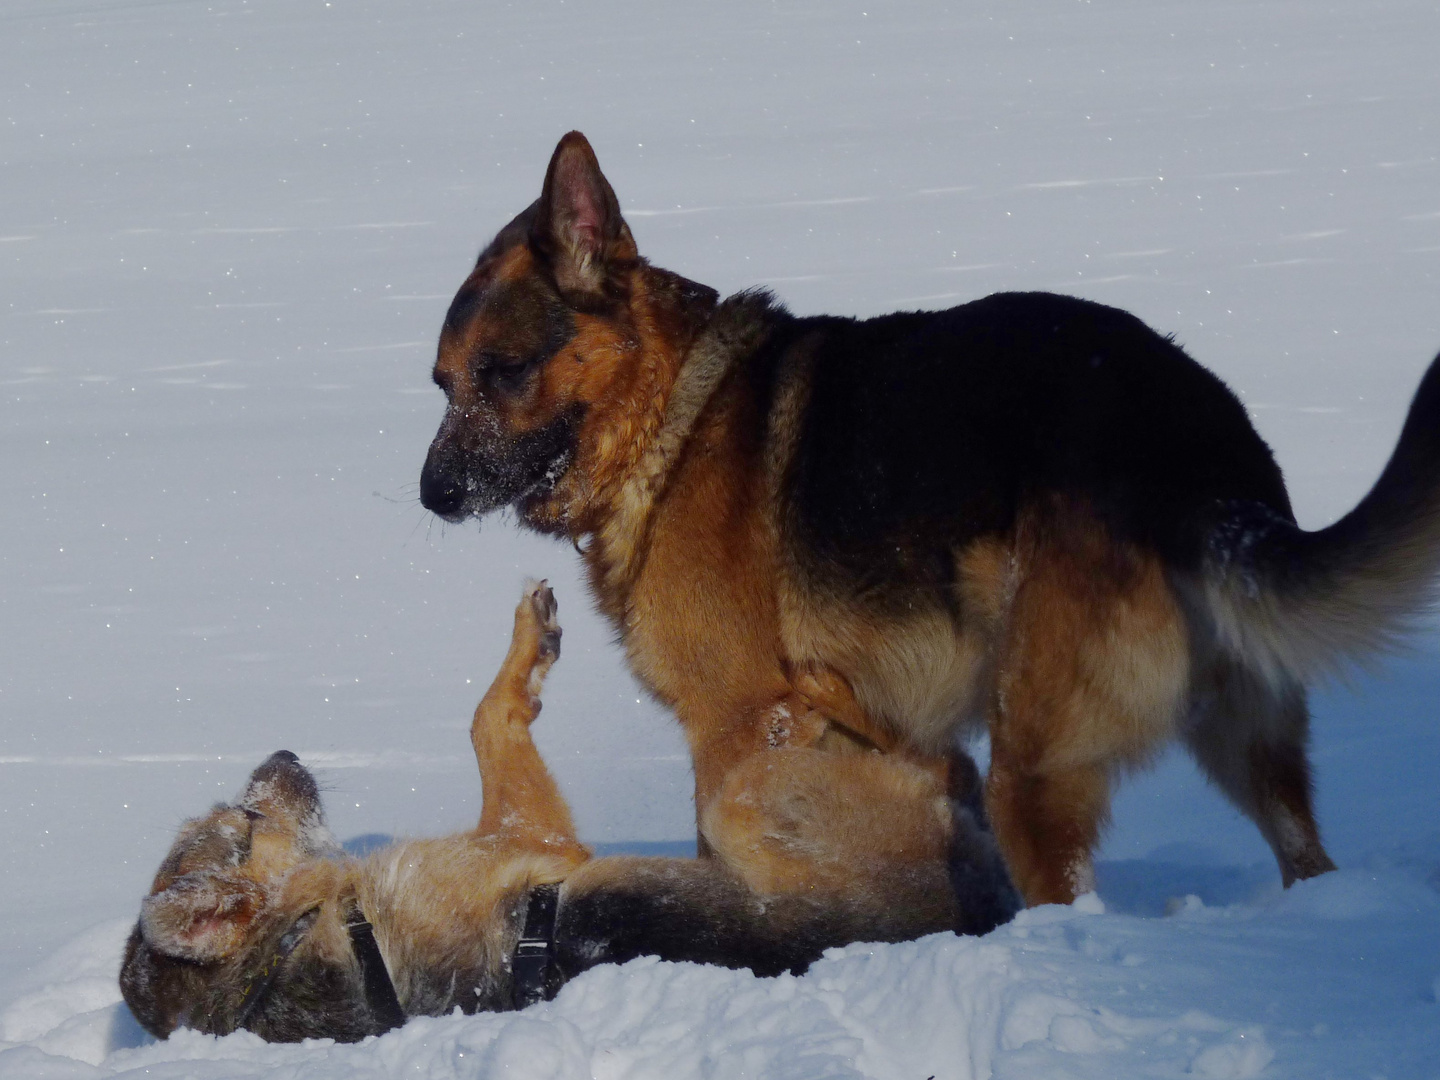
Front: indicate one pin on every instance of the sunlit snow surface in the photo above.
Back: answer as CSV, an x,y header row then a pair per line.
x,y
228,234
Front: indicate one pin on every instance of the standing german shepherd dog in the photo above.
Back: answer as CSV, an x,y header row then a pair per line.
x,y
257,920
1030,511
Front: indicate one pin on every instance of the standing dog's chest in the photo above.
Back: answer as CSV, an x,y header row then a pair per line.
x,y
699,620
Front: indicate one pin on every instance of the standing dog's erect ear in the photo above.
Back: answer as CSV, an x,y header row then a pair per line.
x,y
577,222
202,916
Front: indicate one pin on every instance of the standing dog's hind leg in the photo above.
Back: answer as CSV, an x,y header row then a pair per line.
x,y
1047,823
520,795
1090,679
1250,739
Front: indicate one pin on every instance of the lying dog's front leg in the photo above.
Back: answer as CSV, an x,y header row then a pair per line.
x,y
521,799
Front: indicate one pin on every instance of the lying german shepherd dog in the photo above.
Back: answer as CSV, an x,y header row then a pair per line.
x,y
258,920
1030,511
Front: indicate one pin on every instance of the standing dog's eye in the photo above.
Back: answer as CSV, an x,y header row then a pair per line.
x,y
507,373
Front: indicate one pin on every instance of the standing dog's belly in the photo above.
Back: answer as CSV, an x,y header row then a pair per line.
x,y
919,675
923,670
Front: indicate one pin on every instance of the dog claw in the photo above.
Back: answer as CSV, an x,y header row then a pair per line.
x,y
544,609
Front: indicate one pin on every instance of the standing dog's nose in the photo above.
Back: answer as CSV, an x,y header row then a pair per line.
x,y
440,491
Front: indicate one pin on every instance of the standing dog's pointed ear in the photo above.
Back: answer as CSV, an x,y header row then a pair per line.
x,y
577,221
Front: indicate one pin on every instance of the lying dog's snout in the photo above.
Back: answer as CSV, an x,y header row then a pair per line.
x,y
281,776
278,762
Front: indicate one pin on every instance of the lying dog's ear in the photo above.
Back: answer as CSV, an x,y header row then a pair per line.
x,y
577,223
201,916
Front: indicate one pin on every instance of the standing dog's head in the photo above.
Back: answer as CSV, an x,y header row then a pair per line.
x,y
234,883
554,356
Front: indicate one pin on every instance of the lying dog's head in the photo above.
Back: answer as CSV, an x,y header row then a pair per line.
x,y
212,931
553,354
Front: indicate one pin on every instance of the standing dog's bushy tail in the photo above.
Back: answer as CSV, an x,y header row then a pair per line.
x,y
1292,605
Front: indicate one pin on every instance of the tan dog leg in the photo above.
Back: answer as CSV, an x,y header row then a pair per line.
x,y
870,831
830,697
829,693
520,796
804,820
1091,677
1047,823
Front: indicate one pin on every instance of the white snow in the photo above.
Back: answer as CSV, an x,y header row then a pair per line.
x,y
228,235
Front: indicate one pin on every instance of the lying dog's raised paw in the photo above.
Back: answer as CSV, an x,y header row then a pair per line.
x,y
544,609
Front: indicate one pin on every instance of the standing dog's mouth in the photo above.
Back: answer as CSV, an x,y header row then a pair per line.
x,y
461,481
540,490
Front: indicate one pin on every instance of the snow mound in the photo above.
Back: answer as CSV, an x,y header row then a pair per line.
x,y
1062,991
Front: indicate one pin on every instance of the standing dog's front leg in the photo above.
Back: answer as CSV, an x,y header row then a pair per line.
x,y
521,799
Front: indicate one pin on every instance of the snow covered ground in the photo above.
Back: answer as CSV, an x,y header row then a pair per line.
x,y
228,234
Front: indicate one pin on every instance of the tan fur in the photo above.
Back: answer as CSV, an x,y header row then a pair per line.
x,y
787,820
441,908
1076,650
704,529
438,891
715,657
521,801
1092,675
670,505
624,381
449,901
917,675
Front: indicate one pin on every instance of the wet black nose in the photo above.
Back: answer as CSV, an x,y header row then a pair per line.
x,y
280,762
441,492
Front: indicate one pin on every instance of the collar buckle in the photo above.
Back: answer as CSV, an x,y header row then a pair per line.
x,y
533,977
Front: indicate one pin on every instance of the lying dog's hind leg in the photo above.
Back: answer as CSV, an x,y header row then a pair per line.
x,y
829,696
829,693
520,796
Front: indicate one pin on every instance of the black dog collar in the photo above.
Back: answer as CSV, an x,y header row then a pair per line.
x,y
379,990
260,983
533,975
380,995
